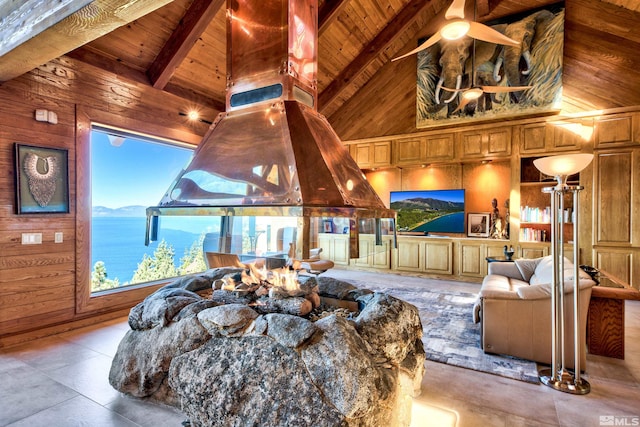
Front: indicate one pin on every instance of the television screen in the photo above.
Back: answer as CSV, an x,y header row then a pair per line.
x,y
429,211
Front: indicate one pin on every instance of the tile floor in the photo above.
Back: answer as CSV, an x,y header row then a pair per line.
x,y
62,381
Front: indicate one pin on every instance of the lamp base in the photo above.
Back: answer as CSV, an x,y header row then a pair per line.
x,y
564,381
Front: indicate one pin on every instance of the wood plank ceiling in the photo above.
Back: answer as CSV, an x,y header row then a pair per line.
x,y
181,47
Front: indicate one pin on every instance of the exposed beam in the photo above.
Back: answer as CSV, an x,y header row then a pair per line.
x,y
398,25
24,20
87,56
482,7
191,26
92,21
328,13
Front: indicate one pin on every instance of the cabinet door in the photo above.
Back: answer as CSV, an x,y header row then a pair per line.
x,y
533,138
615,130
614,197
471,259
362,154
438,257
382,255
566,134
365,252
410,151
617,263
499,142
440,148
381,154
341,249
408,255
483,143
471,144
530,252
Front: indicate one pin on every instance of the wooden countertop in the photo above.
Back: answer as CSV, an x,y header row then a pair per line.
x,y
615,293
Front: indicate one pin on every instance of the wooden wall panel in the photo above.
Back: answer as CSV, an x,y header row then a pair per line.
x,y
39,283
614,198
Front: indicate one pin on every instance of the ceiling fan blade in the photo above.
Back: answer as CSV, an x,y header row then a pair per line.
x,y
482,32
430,42
502,89
456,10
463,103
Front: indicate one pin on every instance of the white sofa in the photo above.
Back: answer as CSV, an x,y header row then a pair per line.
x,y
514,309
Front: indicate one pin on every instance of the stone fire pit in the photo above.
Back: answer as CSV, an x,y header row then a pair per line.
x,y
228,364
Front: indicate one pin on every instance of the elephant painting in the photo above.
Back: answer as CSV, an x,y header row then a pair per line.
x,y
446,69
517,61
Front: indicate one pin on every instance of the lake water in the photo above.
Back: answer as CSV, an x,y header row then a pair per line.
x,y
452,223
119,242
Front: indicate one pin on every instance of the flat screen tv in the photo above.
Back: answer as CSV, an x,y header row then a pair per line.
x,y
429,211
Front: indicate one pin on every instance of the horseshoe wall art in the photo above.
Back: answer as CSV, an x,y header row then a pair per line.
x,y
42,179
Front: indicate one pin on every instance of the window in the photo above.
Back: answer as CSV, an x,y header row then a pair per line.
x,y
128,174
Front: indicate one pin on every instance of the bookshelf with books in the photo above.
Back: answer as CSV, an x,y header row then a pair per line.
x,y
535,212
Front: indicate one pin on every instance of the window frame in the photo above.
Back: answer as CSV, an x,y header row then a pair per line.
x,y
112,299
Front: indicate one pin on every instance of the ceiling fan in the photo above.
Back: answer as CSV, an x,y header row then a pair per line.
x,y
458,27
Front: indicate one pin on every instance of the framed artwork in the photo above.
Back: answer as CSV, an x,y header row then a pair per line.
x,y
42,179
327,226
478,224
448,68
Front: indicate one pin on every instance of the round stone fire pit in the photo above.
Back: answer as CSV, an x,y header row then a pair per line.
x,y
233,364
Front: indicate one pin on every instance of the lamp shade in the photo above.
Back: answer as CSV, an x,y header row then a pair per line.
x,y
563,165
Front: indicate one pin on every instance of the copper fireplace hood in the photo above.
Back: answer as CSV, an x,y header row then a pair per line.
x,y
271,153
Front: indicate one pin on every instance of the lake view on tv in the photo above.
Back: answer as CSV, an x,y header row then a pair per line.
x,y
429,211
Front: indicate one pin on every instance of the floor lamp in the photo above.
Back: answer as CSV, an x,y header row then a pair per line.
x,y
557,376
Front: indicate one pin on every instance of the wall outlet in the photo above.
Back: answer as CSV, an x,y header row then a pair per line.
x,y
31,238
57,237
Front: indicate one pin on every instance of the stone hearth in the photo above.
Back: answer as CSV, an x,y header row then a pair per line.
x,y
228,365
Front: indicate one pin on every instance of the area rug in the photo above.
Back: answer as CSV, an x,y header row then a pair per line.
x,y
451,337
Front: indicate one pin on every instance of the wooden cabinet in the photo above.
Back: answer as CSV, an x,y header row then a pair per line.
x,y
409,255
533,250
473,255
374,256
438,257
371,154
617,130
334,247
490,143
425,255
424,149
555,136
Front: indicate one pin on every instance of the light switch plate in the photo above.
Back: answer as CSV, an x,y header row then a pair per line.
x,y
58,237
31,238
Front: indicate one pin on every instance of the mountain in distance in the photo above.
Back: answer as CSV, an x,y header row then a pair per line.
x,y
427,204
128,211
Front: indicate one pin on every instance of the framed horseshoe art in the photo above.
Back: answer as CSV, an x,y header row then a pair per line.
x,y
42,179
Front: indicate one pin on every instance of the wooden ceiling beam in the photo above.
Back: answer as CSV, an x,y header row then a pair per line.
x,y
87,56
92,21
192,25
24,20
328,13
397,26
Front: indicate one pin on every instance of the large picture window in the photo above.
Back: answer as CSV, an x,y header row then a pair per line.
x,y
128,174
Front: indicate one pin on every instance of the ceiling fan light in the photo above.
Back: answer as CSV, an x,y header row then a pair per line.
x,y
455,30
472,94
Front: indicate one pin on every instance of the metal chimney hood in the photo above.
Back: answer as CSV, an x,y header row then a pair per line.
x,y
271,153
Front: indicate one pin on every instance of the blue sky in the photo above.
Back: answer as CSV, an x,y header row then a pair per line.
x,y
445,195
135,173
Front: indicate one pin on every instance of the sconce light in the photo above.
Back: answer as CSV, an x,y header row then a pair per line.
x,y
194,116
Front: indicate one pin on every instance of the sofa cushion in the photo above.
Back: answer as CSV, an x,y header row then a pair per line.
x,y
543,272
500,287
526,267
535,291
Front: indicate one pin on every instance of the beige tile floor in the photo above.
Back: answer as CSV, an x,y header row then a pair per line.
x,y
62,381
